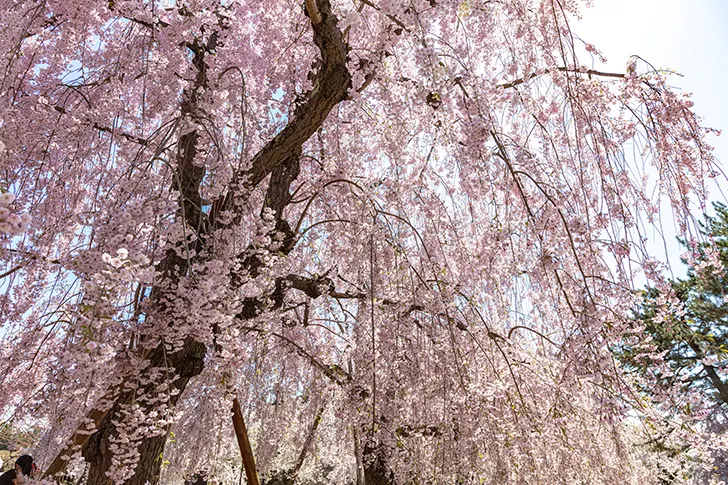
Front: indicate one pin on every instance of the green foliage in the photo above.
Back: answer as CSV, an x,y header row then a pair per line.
x,y
14,440
686,324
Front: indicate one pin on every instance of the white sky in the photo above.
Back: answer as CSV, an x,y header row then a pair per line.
x,y
688,36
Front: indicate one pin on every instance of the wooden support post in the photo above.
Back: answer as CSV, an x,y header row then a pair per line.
x,y
79,438
241,433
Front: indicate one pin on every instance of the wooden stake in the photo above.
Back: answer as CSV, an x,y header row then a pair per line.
x,y
241,433
79,438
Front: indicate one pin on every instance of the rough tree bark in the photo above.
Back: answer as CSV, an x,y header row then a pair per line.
x,y
187,363
376,466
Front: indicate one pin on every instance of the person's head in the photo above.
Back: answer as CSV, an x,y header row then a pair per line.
x,y
8,478
24,464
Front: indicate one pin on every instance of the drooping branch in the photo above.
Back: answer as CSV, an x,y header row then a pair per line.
x,y
588,72
315,287
334,372
112,131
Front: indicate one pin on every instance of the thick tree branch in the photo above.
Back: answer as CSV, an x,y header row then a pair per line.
x,y
313,12
330,87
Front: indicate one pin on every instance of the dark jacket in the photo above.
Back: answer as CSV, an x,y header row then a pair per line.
x,y
8,477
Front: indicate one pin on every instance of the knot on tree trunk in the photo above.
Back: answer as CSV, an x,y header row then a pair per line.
x,y
190,359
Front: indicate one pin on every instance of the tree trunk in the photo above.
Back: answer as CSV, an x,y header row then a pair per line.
x,y
376,466
359,459
278,158
150,460
189,361
186,363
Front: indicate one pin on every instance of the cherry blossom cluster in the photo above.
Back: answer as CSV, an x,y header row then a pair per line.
x,y
11,223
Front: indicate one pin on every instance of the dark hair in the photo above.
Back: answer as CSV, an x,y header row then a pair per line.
x,y
25,462
8,477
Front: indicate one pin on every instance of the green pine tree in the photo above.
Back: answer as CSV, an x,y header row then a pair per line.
x,y
693,337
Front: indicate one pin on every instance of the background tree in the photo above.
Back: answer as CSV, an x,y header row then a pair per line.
x,y
384,227
679,341
685,322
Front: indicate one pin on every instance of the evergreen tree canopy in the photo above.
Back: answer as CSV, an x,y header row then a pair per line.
x,y
686,321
